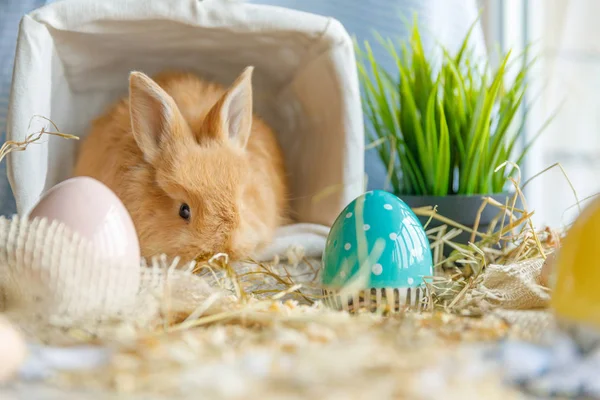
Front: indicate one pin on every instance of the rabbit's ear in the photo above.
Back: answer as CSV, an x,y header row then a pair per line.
x,y
231,117
153,114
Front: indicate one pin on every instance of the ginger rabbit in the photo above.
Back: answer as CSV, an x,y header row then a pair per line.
x,y
197,170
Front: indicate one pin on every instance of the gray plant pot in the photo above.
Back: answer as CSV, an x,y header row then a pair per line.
x,y
462,209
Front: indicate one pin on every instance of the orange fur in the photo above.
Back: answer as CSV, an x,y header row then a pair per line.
x,y
178,139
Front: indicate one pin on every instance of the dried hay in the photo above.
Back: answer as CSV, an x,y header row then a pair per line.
x,y
264,332
306,352
274,338
11,146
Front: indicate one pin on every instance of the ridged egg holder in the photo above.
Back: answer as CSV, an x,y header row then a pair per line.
x,y
376,257
49,273
394,300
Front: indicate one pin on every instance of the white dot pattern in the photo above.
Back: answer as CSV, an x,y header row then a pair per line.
x,y
408,253
377,269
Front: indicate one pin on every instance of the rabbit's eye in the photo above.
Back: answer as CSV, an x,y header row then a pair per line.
x,y
184,212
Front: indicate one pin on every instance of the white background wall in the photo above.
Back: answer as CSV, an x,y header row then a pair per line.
x,y
564,36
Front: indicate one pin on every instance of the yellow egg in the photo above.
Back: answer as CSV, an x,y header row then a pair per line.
x,y
576,292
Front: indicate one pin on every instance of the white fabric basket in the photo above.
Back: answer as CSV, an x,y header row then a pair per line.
x,y
73,58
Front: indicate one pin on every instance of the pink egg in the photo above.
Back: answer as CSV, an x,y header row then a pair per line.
x,y
90,208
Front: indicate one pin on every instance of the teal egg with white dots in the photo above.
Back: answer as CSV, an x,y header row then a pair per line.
x,y
378,247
